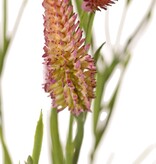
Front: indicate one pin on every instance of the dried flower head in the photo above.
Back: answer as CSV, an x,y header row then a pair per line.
x,y
92,5
69,70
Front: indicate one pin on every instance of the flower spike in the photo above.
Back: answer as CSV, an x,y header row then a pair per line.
x,y
92,5
69,70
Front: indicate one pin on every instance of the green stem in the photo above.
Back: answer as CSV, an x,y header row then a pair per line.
x,y
4,23
101,131
57,152
82,18
89,28
101,82
78,6
5,40
79,136
6,156
69,144
7,159
1,116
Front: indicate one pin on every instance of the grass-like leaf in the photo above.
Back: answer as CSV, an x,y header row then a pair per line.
x,y
29,160
97,53
38,140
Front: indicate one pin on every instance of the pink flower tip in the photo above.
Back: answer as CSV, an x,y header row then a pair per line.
x,y
93,5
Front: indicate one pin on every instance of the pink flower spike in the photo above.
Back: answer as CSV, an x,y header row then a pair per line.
x,y
92,5
69,70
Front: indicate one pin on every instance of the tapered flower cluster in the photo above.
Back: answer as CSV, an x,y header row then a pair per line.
x,y
69,70
92,5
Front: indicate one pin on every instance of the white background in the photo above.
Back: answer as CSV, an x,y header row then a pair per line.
x,y
132,128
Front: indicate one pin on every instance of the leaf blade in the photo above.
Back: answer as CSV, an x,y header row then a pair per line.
x,y
38,140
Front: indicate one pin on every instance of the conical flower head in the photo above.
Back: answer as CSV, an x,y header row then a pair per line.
x,y
92,5
69,70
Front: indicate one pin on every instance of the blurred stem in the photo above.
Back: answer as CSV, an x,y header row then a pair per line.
x,y
4,24
6,156
20,13
3,53
100,131
107,32
69,144
121,26
6,39
145,154
79,136
1,116
57,152
101,82
143,22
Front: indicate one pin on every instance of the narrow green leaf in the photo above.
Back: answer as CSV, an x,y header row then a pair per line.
x,y
57,152
6,156
97,53
38,140
29,160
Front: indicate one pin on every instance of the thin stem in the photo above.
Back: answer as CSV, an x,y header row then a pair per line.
x,y
20,13
4,23
79,136
143,22
57,152
107,33
82,16
120,29
6,40
89,28
101,131
69,144
102,79
1,118
2,54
